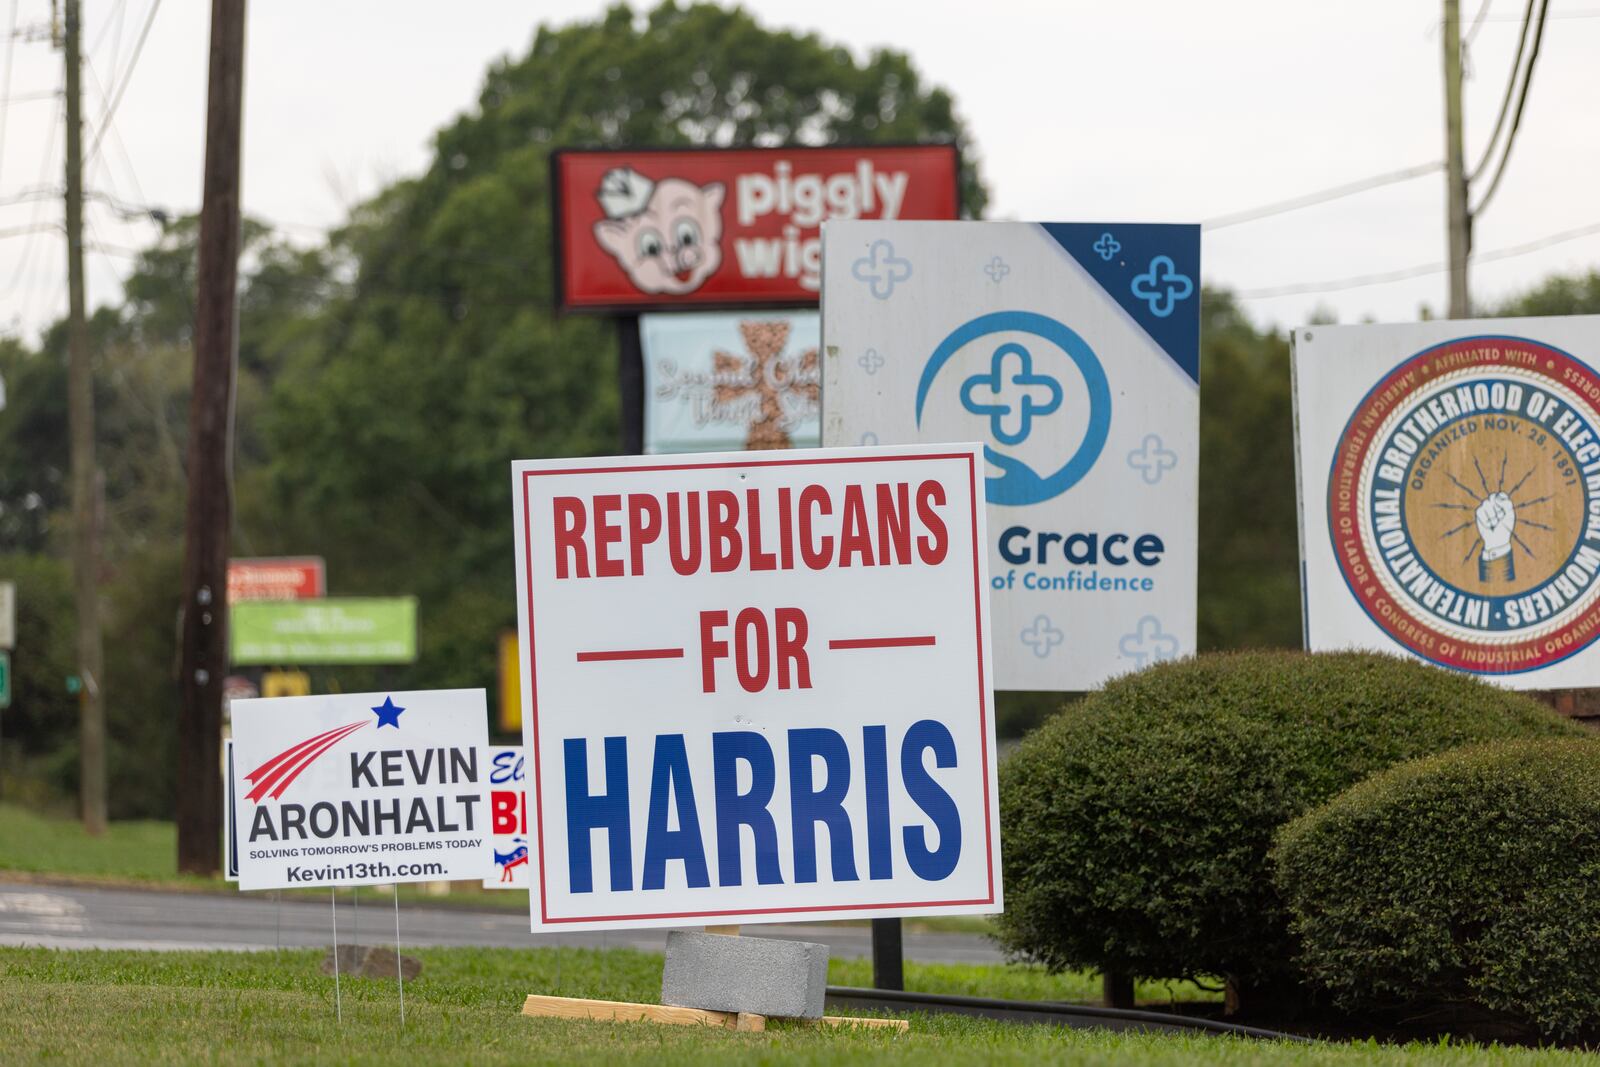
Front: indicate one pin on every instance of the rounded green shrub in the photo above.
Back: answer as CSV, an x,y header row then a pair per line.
x,y
1137,823
1470,878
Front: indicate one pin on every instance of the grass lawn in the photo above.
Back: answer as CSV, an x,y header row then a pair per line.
x,y
217,1007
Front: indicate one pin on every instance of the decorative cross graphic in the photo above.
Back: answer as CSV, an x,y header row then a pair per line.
x,y
1162,287
765,375
996,269
1148,643
1152,459
871,361
1027,395
1108,246
881,269
1043,636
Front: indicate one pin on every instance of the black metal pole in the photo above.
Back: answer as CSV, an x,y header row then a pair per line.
x,y
630,383
888,957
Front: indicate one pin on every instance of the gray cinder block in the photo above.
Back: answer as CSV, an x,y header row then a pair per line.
x,y
759,975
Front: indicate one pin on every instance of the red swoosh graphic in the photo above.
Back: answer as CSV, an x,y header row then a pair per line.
x,y
285,767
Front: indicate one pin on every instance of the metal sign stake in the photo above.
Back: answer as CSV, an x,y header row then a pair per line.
x,y
333,909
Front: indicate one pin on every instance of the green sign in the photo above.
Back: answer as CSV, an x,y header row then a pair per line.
x,y
338,630
5,679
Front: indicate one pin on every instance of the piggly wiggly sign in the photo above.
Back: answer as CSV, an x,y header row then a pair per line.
x,y
730,227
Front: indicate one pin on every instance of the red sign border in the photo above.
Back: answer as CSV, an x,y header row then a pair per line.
x,y
759,301
983,701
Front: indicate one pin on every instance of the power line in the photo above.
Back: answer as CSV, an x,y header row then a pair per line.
x,y
5,89
133,63
1477,22
1516,118
1356,282
26,256
1590,14
108,126
1320,197
1511,85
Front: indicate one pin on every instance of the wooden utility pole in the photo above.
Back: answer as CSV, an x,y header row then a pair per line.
x,y
80,422
1458,219
210,504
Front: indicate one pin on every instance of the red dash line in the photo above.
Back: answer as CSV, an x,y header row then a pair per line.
x,y
880,642
630,653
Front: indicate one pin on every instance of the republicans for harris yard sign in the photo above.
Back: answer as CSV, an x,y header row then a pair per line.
x,y
1450,493
1072,351
758,687
642,228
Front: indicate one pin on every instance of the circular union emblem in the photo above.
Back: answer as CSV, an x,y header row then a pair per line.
x,y
1464,504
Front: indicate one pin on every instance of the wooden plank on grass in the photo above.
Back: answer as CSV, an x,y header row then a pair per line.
x,y
622,1011
865,1022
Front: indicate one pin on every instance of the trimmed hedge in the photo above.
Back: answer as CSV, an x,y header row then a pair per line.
x,y
1471,877
1137,822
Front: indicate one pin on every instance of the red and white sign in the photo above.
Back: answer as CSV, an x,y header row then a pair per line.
x,y
360,788
277,578
758,687
642,228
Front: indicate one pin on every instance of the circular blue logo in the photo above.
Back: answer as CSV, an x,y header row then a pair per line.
x,y
1012,394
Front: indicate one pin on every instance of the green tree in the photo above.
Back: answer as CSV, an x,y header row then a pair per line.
x,y
1249,585
1563,294
398,410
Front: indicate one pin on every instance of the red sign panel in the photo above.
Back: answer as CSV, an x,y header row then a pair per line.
x,y
277,578
642,228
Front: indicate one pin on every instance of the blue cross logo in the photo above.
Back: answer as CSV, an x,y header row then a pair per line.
x,y
1152,458
997,269
1043,636
1148,643
1108,246
1162,287
881,269
1026,395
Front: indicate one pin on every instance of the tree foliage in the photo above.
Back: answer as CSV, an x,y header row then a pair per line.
x,y
388,376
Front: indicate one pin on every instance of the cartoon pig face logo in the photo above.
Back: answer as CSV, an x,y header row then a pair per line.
x,y
666,235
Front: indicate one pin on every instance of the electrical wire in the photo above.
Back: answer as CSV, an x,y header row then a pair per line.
x,y
1477,21
5,87
122,87
1516,118
25,258
1360,280
1320,197
1505,102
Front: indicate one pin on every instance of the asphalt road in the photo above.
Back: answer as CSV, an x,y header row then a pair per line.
x,y
80,917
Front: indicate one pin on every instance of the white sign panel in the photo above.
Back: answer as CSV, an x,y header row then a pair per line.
x,y
758,687
360,788
720,381
1450,494
505,789
1072,352
8,615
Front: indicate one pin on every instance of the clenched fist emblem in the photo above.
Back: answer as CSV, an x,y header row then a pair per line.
x,y
1497,523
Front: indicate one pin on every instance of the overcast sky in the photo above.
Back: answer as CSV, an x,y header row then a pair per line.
x,y
1157,110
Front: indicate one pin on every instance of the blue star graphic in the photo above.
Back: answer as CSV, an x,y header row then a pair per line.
x,y
388,713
